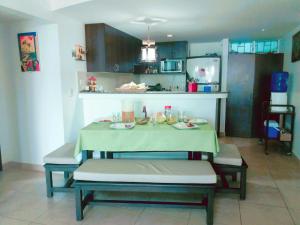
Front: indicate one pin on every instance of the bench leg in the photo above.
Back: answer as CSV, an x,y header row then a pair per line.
x,y
243,183
49,183
78,200
234,177
66,175
210,207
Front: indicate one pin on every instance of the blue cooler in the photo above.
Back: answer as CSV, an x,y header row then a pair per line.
x,y
273,130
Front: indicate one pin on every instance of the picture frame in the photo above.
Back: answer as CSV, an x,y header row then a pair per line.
x,y
296,47
79,53
29,52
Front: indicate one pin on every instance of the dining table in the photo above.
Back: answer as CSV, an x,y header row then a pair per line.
x,y
99,136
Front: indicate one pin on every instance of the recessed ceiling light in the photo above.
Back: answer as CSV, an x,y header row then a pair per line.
x,y
169,35
263,29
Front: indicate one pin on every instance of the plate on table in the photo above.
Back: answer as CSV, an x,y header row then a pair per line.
x,y
198,121
184,126
122,125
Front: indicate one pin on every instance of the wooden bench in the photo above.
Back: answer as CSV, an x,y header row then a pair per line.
x,y
136,175
61,160
230,162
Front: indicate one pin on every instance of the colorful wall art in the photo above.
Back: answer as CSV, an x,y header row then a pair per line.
x,y
29,52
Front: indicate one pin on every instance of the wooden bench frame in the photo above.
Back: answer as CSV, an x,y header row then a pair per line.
x,y
67,169
84,194
222,170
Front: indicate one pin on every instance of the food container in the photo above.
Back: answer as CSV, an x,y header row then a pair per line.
x,y
285,135
192,87
273,129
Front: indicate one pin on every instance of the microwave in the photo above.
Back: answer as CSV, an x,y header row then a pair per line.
x,y
171,66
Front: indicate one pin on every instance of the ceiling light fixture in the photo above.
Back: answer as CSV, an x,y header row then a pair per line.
x,y
148,49
148,21
169,35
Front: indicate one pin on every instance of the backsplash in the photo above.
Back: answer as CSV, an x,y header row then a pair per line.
x,y
166,81
107,82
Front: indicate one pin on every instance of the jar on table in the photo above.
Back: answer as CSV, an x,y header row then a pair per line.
x,y
170,116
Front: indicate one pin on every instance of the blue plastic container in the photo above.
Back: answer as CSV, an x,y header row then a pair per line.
x,y
273,129
279,82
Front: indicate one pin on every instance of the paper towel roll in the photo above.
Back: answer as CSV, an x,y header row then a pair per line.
x,y
279,98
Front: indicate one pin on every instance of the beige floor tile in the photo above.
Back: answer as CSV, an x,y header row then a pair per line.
x,y
112,215
295,213
164,216
264,195
25,206
62,213
291,195
226,211
253,214
197,217
9,221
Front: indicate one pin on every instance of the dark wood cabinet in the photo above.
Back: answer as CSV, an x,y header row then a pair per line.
x,y
110,50
248,84
172,50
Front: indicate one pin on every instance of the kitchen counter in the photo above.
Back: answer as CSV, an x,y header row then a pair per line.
x,y
161,94
98,106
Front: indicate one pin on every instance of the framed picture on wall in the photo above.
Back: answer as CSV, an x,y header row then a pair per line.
x,y
29,51
296,47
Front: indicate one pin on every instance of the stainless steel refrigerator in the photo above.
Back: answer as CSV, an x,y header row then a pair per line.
x,y
206,71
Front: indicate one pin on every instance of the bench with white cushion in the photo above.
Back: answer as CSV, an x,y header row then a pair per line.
x,y
230,161
61,160
146,176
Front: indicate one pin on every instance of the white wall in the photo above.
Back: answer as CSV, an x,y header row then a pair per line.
x,y
38,95
9,140
294,84
70,33
203,48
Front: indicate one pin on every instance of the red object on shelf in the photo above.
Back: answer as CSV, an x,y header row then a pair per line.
x,y
193,87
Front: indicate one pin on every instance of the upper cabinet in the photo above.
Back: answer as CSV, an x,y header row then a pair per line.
x,y
172,50
110,50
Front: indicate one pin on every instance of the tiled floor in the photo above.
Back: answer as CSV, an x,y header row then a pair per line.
x,y
273,198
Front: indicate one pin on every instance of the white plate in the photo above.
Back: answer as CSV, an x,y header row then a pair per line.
x,y
122,125
198,121
183,126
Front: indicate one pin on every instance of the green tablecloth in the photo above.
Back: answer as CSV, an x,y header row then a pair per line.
x,y
162,137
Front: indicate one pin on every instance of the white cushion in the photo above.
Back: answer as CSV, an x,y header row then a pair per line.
x,y
63,155
146,171
228,155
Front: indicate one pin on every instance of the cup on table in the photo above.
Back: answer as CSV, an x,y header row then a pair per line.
x,y
153,119
181,115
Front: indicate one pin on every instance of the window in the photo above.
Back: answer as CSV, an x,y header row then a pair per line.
x,y
265,46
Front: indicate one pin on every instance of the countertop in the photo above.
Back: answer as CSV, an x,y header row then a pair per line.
x,y
155,94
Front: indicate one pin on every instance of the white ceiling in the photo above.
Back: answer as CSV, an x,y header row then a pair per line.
x,y
8,15
192,20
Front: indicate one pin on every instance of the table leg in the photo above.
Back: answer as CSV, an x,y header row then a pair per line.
x,y
109,155
86,155
190,155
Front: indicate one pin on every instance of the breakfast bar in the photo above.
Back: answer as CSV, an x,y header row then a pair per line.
x,y
96,106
